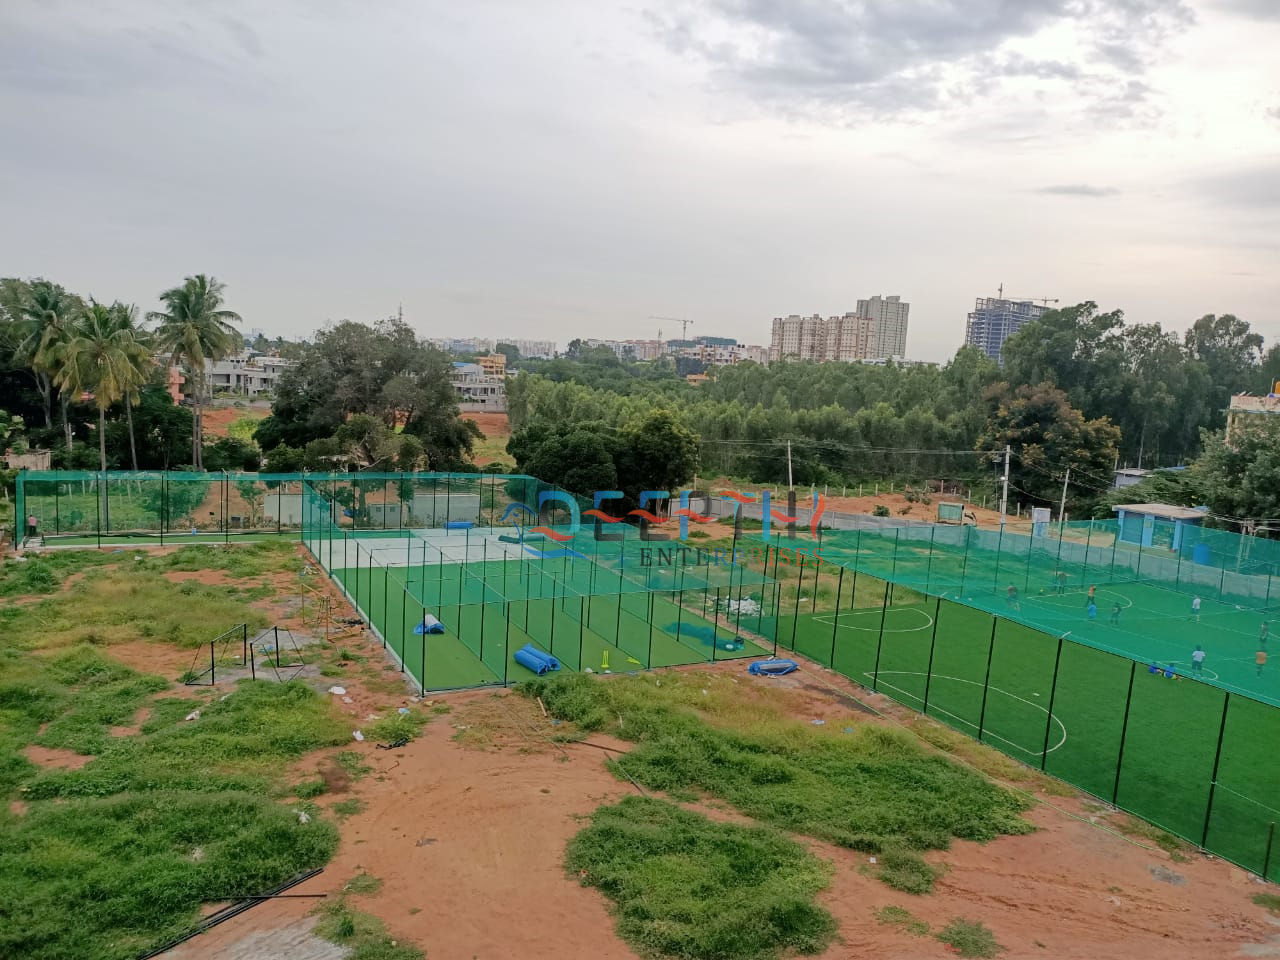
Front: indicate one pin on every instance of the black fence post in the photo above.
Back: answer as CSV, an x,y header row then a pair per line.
x,y
1266,860
933,641
795,619
1213,779
276,637
244,642
1124,730
986,681
253,671
884,609
835,619
213,668
1053,692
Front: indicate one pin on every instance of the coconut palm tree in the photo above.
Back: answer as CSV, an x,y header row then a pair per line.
x,y
194,328
102,357
46,314
125,317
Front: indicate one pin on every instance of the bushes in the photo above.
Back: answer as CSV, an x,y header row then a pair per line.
x,y
686,886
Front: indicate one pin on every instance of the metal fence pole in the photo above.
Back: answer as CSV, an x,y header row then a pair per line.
x,y
1217,758
1053,692
835,620
928,570
1124,730
795,620
933,641
986,681
1266,860
884,609
995,585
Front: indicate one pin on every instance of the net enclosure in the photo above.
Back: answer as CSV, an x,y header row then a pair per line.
x,y
1132,664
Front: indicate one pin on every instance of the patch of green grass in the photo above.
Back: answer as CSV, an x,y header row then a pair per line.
x,y
686,886
362,883
970,938
309,789
396,726
45,573
347,808
353,763
1268,900
901,917
906,870
365,936
875,790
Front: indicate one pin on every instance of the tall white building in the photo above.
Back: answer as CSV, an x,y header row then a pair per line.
x,y
889,316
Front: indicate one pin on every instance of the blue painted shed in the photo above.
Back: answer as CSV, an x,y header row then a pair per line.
x,y
1156,524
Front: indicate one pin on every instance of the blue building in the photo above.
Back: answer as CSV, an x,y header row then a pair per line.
x,y
994,320
1157,524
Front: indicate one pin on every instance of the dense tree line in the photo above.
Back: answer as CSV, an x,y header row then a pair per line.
x,y
75,368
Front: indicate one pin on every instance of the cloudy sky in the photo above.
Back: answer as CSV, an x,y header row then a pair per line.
x,y
561,168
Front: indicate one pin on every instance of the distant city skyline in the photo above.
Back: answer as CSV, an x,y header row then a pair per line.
x,y
567,170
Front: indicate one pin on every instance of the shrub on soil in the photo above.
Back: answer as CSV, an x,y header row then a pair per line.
x,y
875,790
686,886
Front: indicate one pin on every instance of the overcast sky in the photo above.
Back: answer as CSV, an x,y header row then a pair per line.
x,y
562,168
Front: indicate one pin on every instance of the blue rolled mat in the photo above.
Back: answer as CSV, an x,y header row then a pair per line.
x,y
772,668
536,660
429,624
458,524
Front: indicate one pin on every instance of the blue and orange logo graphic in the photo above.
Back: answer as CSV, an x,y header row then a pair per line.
x,y
647,518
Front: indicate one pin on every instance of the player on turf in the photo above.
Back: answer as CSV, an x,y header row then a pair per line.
x,y
1195,609
1260,658
1060,579
1012,598
1092,610
1093,590
1197,659
1115,615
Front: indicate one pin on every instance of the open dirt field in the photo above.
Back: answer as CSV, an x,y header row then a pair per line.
x,y
493,447
467,828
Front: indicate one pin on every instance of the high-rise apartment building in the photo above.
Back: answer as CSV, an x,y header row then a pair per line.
x,y
878,329
995,320
889,315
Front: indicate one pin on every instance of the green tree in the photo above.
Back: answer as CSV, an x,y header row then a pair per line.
x,y
195,327
125,318
1241,479
1048,436
508,350
577,457
102,357
658,452
46,314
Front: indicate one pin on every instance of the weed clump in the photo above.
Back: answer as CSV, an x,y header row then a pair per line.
x,y
970,938
686,886
874,790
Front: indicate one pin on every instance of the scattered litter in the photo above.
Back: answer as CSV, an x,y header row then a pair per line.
x,y
403,710
394,744
555,723
817,723
704,691
17,559
871,860
304,817
587,670
358,735
347,700
425,842
193,715
118,550
848,729
224,696
338,690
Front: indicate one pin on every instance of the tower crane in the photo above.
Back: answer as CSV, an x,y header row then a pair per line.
x,y
1043,301
684,325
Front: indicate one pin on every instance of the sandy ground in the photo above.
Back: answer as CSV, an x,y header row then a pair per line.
x,y
491,424
467,827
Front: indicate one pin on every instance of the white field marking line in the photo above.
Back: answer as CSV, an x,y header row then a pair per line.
x,y
968,723
856,613
1048,598
1190,673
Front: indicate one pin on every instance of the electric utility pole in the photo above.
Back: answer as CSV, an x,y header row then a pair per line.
x,y
1062,508
1004,495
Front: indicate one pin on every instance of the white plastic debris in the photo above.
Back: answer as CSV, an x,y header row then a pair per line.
x,y
347,700
193,715
817,723
871,859
403,710
303,817
338,690
358,735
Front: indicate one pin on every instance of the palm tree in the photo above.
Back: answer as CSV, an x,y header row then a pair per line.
x,y
193,328
125,317
46,315
100,356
